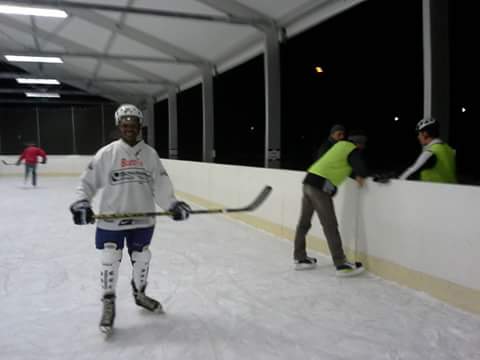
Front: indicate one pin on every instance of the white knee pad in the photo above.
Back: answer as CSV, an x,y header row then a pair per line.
x,y
140,264
110,258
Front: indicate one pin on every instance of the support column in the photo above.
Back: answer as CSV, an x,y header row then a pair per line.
x,y
272,98
208,151
72,109
436,63
172,124
149,120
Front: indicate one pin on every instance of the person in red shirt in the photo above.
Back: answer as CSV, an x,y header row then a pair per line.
x,y
30,155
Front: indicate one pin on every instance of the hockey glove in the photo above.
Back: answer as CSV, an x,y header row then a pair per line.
x,y
82,212
383,178
180,210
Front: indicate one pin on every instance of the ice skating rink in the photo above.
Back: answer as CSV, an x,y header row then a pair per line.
x,y
229,291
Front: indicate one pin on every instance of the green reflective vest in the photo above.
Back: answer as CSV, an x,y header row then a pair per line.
x,y
334,164
444,169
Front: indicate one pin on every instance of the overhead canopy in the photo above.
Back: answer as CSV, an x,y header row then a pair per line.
x,y
137,49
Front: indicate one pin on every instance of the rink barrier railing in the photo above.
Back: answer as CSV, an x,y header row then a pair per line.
x,y
396,248
459,296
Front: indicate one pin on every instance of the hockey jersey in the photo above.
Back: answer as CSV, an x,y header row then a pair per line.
x,y
31,154
133,179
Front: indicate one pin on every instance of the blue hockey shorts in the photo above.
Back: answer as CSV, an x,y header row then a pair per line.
x,y
136,239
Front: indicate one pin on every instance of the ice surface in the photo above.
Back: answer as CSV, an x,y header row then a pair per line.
x,y
230,292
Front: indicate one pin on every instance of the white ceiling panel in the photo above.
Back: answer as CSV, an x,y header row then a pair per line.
x,y
190,6
86,33
113,15
275,8
173,72
123,45
110,71
87,65
50,24
20,38
145,88
206,39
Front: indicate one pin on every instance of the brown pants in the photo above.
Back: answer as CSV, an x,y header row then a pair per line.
x,y
320,202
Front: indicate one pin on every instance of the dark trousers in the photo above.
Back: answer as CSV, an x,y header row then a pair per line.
x,y
31,168
315,200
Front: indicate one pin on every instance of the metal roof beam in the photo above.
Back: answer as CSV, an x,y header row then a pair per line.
x,y
69,6
54,101
74,46
139,36
236,9
102,56
80,79
52,90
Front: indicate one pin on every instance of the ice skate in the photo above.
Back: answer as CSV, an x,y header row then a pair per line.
x,y
142,300
305,264
350,269
108,314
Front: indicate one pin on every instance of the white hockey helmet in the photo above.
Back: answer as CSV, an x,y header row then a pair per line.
x,y
128,110
428,121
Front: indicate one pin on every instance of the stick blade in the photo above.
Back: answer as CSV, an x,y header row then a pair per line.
x,y
256,202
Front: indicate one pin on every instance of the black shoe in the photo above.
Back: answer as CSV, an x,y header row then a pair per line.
x,y
305,264
350,269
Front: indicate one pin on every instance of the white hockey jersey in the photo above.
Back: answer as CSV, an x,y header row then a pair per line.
x,y
133,179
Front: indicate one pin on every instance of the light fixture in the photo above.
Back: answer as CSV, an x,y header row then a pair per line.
x,y
42,59
25,10
318,69
463,109
396,118
42,95
38,81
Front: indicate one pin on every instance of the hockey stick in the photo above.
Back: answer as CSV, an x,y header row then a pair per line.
x,y
251,207
6,163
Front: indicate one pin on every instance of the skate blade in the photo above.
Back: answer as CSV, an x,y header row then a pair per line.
x,y
107,331
357,271
300,267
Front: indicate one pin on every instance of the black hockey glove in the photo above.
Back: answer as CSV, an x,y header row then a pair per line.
x,y
82,212
180,210
383,178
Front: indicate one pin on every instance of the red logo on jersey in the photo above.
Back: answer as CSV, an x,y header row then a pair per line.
x,y
136,162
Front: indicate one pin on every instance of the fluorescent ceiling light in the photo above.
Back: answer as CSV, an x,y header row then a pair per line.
x,y
42,95
42,59
38,81
24,10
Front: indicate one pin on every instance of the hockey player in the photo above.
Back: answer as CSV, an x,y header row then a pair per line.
x,y
436,163
319,186
133,180
30,155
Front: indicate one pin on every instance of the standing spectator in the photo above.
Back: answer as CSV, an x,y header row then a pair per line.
x,y
337,133
319,186
436,163
30,155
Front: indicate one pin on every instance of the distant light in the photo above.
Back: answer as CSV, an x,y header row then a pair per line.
x,y
318,69
396,118
42,59
463,109
38,81
252,128
42,95
24,10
